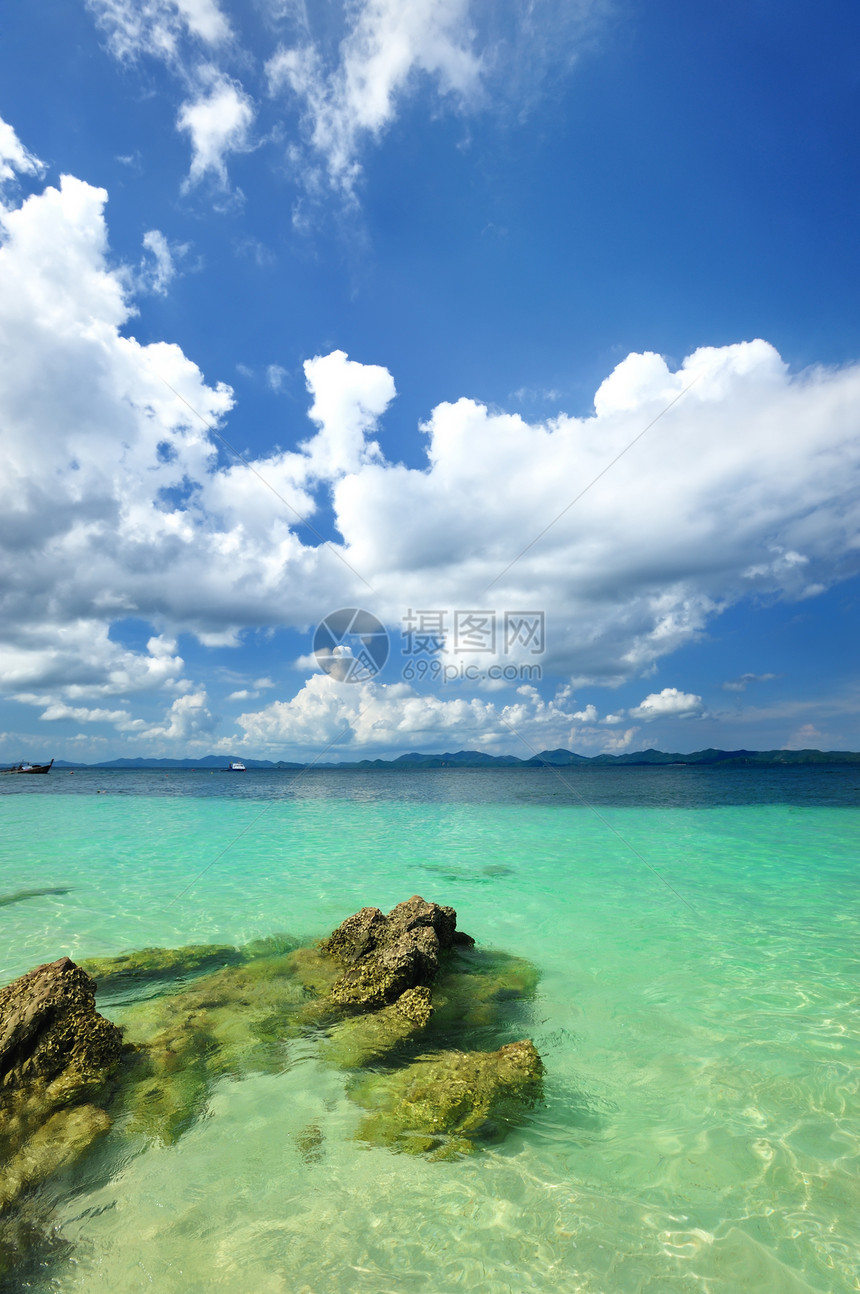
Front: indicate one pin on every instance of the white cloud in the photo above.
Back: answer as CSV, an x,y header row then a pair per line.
x,y
189,720
588,715
218,120
15,159
80,662
157,275
742,683
85,714
348,84
374,717
668,704
112,505
217,113
387,45
158,27
276,376
808,737
348,400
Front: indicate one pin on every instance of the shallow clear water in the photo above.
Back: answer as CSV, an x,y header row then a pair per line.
x,y
697,938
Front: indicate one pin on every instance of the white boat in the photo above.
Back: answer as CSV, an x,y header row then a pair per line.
x,y
237,767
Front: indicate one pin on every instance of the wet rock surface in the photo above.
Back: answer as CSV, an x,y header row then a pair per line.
x,y
377,992
57,1059
360,1040
383,956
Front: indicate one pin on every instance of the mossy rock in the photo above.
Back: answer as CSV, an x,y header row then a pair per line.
x,y
147,966
57,1061
153,964
383,956
477,989
236,1021
202,1024
58,1143
449,1103
363,1039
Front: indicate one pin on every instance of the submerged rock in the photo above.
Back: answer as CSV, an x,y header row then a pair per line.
x,y
362,1039
447,1104
479,988
29,1246
154,965
57,1056
228,1024
370,994
148,964
373,993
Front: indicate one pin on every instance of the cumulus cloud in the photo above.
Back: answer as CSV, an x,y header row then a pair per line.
x,y
370,716
752,463
668,704
348,400
811,738
113,506
187,722
218,120
388,44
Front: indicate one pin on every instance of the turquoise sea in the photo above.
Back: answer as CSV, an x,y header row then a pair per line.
x,y
698,939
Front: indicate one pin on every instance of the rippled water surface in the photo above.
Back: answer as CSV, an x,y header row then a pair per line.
x,y
698,938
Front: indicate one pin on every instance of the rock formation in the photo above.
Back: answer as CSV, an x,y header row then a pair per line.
x,y
379,990
57,1057
383,956
150,964
447,1103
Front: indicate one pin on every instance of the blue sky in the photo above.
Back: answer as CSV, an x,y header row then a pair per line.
x,y
435,271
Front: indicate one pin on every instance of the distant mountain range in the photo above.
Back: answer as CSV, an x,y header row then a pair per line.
x,y
477,759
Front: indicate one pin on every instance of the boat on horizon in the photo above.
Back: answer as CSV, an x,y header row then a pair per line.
x,y
27,767
237,767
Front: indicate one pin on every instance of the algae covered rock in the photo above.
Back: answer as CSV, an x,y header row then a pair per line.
x,y
228,1024
450,1102
481,989
362,1039
381,987
383,956
151,966
57,1056
378,988
146,964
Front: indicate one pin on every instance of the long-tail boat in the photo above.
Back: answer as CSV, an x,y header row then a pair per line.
x,y
28,768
